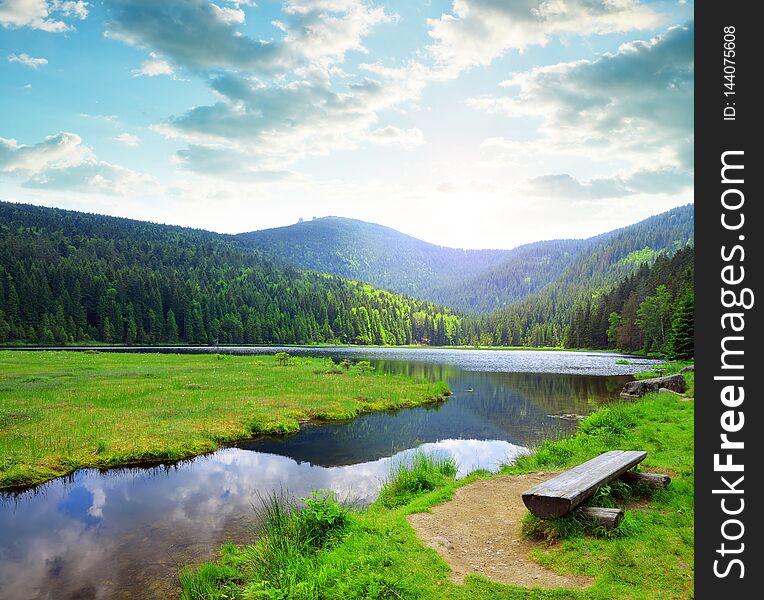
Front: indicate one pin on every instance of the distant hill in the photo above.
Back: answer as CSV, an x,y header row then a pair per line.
x,y
478,281
573,309
369,252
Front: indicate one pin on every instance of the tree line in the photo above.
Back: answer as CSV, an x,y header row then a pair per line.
x,y
68,278
650,310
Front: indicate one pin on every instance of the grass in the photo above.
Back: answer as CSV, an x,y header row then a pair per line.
x,y
60,411
378,555
423,473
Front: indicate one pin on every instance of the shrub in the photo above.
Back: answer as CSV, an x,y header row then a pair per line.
x,y
321,518
283,358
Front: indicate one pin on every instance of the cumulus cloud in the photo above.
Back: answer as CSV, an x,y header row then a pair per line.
x,y
202,36
57,151
153,66
635,103
128,139
27,61
478,31
276,124
45,15
95,177
657,181
281,98
391,135
190,33
227,14
63,162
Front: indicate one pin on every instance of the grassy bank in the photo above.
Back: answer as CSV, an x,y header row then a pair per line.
x,y
374,553
60,411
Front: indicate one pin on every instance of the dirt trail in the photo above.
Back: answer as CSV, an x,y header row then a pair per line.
x,y
479,532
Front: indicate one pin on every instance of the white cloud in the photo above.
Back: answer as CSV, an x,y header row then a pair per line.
x,y
228,15
92,177
203,36
277,124
477,32
154,66
128,139
41,14
27,61
63,162
188,33
657,181
635,104
397,136
58,151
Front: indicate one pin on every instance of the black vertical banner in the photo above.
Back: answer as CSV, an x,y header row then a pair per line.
x,y
728,415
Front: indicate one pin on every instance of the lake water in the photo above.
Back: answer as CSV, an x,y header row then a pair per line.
x,y
123,533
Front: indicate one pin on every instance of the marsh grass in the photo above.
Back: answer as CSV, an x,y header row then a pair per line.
x,y
284,562
424,473
60,411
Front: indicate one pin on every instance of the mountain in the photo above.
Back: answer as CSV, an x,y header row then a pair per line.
x,y
70,277
373,253
476,281
651,310
573,310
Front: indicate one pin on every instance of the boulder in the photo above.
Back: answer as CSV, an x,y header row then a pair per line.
x,y
687,369
635,389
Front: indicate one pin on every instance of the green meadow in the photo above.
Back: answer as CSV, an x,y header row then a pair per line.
x,y
60,411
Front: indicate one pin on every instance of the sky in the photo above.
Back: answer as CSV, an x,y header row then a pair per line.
x,y
465,123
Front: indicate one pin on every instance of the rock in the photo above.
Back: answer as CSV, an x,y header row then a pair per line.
x,y
635,389
568,417
687,369
664,390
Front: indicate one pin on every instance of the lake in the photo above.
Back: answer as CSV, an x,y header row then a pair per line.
x,y
124,532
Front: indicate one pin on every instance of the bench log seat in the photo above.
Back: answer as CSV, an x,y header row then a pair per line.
x,y
559,495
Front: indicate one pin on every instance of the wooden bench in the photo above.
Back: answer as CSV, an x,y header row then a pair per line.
x,y
562,494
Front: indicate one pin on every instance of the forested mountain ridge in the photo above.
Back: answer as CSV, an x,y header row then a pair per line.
x,y
573,310
476,281
68,277
373,253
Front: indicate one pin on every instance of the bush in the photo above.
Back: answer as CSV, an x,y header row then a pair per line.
x,y
321,518
286,524
283,358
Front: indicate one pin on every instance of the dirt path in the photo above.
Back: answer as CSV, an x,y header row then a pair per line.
x,y
479,532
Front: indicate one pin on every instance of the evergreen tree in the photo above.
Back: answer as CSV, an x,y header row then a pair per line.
x,y
681,340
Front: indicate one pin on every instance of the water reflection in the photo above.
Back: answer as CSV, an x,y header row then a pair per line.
x,y
519,408
123,534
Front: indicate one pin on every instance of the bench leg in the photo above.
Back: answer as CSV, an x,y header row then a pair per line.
x,y
651,480
607,517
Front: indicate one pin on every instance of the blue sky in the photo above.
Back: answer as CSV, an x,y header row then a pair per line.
x,y
472,123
